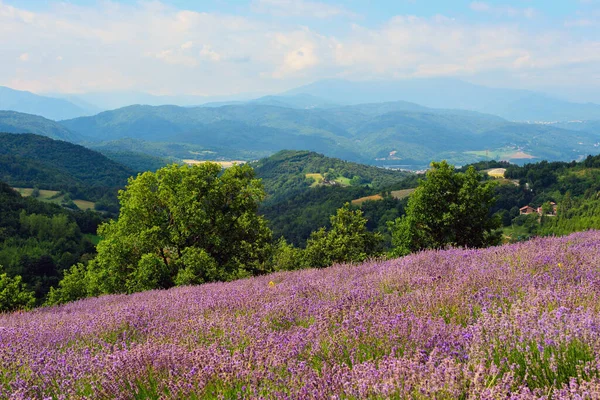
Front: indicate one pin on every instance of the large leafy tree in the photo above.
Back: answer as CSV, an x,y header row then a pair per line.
x,y
448,208
180,225
348,240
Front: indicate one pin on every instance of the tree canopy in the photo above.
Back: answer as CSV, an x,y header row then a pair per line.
x,y
179,225
348,240
448,208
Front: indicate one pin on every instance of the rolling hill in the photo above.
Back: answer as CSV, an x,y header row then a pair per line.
x,y
305,188
394,133
30,103
30,160
16,122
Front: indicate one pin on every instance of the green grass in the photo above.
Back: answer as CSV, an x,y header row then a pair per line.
x,y
343,181
515,232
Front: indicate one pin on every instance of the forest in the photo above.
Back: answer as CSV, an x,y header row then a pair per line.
x,y
39,240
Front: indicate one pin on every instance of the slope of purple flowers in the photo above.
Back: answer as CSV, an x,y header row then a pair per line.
x,y
518,321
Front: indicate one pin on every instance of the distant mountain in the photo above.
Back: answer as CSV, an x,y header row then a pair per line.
x,y
114,100
47,107
300,101
31,160
584,126
515,105
253,130
15,122
394,133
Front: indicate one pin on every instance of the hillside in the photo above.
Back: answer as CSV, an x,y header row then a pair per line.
x,y
298,204
519,320
396,133
30,103
30,160
15,122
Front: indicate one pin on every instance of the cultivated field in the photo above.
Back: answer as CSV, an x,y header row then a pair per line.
x,y
224,164
518,321
397,194
52,196
502,154
496,172
44,194
317,177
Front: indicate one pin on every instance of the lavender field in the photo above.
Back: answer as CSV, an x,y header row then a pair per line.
x,y
518,321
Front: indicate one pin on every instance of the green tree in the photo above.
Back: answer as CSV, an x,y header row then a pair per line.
x,y
448,208
14,294
348,240
181,225
286,257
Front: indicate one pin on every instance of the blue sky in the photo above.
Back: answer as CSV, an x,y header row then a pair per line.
x,y
217,47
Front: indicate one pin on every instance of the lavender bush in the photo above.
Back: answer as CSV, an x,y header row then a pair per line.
x,y
518,321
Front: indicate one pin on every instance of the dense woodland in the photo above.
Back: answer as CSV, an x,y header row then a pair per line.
x,y
39,240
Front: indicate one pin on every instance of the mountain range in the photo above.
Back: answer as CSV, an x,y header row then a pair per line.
x,y
393,133
511,104
357,121
48,107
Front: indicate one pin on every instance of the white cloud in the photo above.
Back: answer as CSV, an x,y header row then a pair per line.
x,y
509,11
579,23
300,8
156,48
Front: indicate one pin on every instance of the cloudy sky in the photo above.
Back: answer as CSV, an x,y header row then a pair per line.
x,y
218,47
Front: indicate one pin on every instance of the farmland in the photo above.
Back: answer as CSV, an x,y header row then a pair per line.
x,y
224,164
519,320
396,194
318,178
54,196
506,153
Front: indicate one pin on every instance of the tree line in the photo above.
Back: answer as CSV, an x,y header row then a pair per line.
x,y
188,225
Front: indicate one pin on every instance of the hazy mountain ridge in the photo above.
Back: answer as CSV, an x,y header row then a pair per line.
x,y
393,132
512,104
47,107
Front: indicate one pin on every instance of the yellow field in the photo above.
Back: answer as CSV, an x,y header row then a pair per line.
x,y
47,195
224,164
44,194
397,194
317,177
496,172
84,204
374,197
